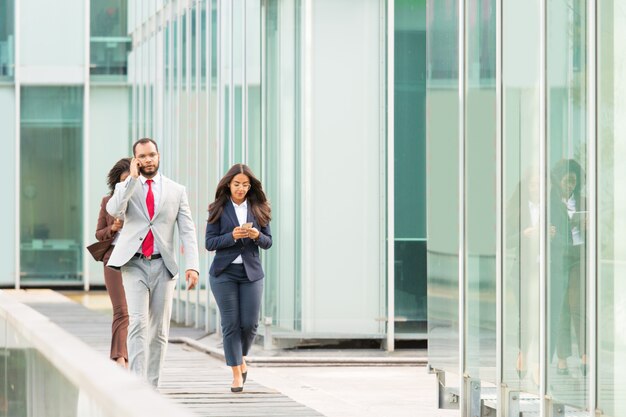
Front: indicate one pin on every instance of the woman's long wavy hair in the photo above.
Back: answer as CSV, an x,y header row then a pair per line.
x,y
257,201
120,167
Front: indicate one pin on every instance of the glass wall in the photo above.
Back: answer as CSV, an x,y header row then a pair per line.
x,y
7,39
480,189
567,202
51,214
442,135
110,43
283,146
554,223
410,166
8,165
520,194
611,245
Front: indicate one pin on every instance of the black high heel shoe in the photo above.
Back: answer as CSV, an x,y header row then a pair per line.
x,y
244,375
236,389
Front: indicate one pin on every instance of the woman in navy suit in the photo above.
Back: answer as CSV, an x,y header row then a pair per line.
x,y
238,225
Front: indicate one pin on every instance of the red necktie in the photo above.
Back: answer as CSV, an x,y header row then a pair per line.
x,y
147,246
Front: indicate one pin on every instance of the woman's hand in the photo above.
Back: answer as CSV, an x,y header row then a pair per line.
x,y
253,233
240,233
117,225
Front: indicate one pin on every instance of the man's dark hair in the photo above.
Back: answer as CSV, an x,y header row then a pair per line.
x,y
144,141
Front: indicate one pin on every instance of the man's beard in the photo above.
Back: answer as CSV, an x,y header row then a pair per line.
x,y
143,172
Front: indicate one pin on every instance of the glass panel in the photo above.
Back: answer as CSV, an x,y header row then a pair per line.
x,y
30,385
51,153
442,135
7,170
238,51
480,190
205,160
110,43
7,38
225,77
253,84
520,194
567,202
410,166
282,298
611,130
64,44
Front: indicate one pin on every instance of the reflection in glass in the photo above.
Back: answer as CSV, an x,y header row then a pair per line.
x,y
567,203
7,38
480,190
520,195
442,135
110,43
282,135
410,166
51,183
611,209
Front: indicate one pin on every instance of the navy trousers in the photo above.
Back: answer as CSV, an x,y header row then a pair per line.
x,y
239,301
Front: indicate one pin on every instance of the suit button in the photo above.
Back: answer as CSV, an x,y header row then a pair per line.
x,y
140,238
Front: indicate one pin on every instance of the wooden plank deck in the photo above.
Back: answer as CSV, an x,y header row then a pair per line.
x,y
190,378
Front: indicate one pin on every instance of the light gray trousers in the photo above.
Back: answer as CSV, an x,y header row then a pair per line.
x,y
149,289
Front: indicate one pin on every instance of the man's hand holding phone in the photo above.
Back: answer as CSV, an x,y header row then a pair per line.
x,y
135,164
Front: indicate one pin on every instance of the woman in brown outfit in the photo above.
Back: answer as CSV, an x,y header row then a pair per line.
x,y
108,227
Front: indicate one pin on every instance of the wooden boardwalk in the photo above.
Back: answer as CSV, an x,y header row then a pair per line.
x,y
190,378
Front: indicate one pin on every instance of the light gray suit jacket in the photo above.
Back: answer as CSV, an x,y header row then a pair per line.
x,y
129,203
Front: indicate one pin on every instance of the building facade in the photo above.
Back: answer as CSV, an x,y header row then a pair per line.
x,y
298,90
524,206
64,121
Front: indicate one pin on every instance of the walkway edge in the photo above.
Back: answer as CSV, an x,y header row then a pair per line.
x,y
311,360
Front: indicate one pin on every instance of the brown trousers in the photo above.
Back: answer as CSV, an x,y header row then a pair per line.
x,y
119,328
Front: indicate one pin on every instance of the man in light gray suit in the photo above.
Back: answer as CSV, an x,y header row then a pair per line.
x,y
150,205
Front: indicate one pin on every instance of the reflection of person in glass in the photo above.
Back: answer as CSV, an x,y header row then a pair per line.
x,y
567,263
522,278
238,225
108,227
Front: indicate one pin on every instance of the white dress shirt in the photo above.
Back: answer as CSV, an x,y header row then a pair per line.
x,y
577,238
242,217
157,184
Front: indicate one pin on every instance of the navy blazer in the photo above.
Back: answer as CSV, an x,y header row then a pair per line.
x,y
219,237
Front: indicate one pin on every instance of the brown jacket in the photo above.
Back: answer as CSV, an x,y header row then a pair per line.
x,y
103,229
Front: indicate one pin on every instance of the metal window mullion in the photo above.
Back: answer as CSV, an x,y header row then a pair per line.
x,y
209,66
231,138
306,156
244,89
187,136
176,130
264,9
196,114
220,139
461,196
390,184
592,242
499,214
86,141
18,143
543,212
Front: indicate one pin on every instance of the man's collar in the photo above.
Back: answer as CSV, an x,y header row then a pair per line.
x,y
155,179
